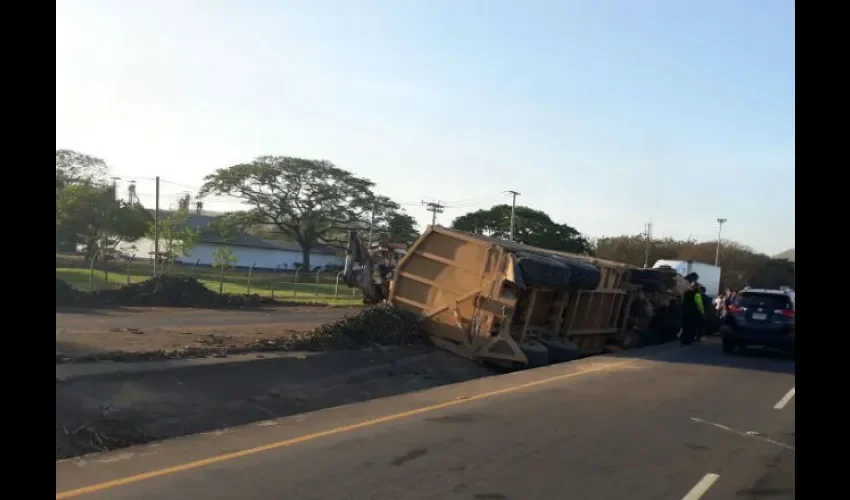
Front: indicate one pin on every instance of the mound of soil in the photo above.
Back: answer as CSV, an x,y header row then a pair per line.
x,y
379,326
65,293
162,291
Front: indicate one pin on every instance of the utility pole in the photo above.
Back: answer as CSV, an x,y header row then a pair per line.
x,y
156,229
647,233
435,208
720,222
514,194
371,224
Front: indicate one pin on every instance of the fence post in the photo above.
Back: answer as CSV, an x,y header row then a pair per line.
x,y
318,274
91,273
297,270
272,289
336,285
195,267
250,272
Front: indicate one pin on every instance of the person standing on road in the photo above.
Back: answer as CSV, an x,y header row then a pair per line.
x,y
699,299
691,315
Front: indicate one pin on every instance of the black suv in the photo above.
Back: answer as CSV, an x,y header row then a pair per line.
x,y
760,317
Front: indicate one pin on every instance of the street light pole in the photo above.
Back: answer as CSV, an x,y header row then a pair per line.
x,y
720,222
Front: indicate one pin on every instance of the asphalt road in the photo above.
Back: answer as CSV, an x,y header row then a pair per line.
x,y
664,423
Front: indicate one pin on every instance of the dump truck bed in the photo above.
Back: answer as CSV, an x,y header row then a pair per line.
x,y
491,299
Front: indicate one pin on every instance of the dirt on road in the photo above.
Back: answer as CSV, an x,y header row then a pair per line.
x,y
106,406
146,329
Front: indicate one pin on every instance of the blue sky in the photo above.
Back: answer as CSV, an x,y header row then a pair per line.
x,y
603,113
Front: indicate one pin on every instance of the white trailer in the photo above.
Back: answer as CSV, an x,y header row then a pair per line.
x,y
709,275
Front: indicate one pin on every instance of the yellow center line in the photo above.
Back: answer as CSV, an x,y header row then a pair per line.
x,y
330,432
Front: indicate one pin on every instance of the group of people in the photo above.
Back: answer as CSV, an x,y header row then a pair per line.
x,y
693,309
723,301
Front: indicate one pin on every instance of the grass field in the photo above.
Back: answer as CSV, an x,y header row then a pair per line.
x,y
281,285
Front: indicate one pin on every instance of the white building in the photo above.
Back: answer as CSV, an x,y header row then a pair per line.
x,y
247,249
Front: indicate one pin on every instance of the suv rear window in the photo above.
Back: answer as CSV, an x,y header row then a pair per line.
x,y
768,300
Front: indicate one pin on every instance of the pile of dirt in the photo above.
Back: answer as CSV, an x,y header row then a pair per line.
x,y
162,291
65,293
379,326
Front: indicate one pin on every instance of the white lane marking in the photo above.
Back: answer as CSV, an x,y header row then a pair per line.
x,y
701,487
785,399
749,434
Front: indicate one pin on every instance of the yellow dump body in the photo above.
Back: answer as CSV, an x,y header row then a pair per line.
x,y
490,299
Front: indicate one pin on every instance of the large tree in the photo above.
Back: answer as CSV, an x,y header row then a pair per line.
x,y
532,227
308,201
92,215
76,168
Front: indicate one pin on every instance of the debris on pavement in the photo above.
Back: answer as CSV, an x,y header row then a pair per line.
x,y
105,433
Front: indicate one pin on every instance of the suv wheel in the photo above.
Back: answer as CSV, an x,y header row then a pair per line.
x,y
728,346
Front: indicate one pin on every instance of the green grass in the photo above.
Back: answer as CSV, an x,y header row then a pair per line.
x,y
282,286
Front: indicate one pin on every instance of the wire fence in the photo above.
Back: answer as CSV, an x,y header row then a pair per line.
x,y
313,286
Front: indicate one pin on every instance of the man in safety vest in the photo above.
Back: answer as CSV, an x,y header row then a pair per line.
x,y
692,310
699,297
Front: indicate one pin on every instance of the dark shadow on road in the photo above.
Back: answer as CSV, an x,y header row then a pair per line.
x,y
708,352
192,399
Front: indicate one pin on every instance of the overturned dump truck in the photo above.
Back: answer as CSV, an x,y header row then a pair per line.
x,y
508,303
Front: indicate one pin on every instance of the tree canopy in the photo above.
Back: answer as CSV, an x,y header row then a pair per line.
x,y
532,227
176,237
399,228
76,168
92,216
308,201
740,265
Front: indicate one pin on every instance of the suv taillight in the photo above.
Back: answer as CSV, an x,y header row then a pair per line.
x,y
734,309
788,313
